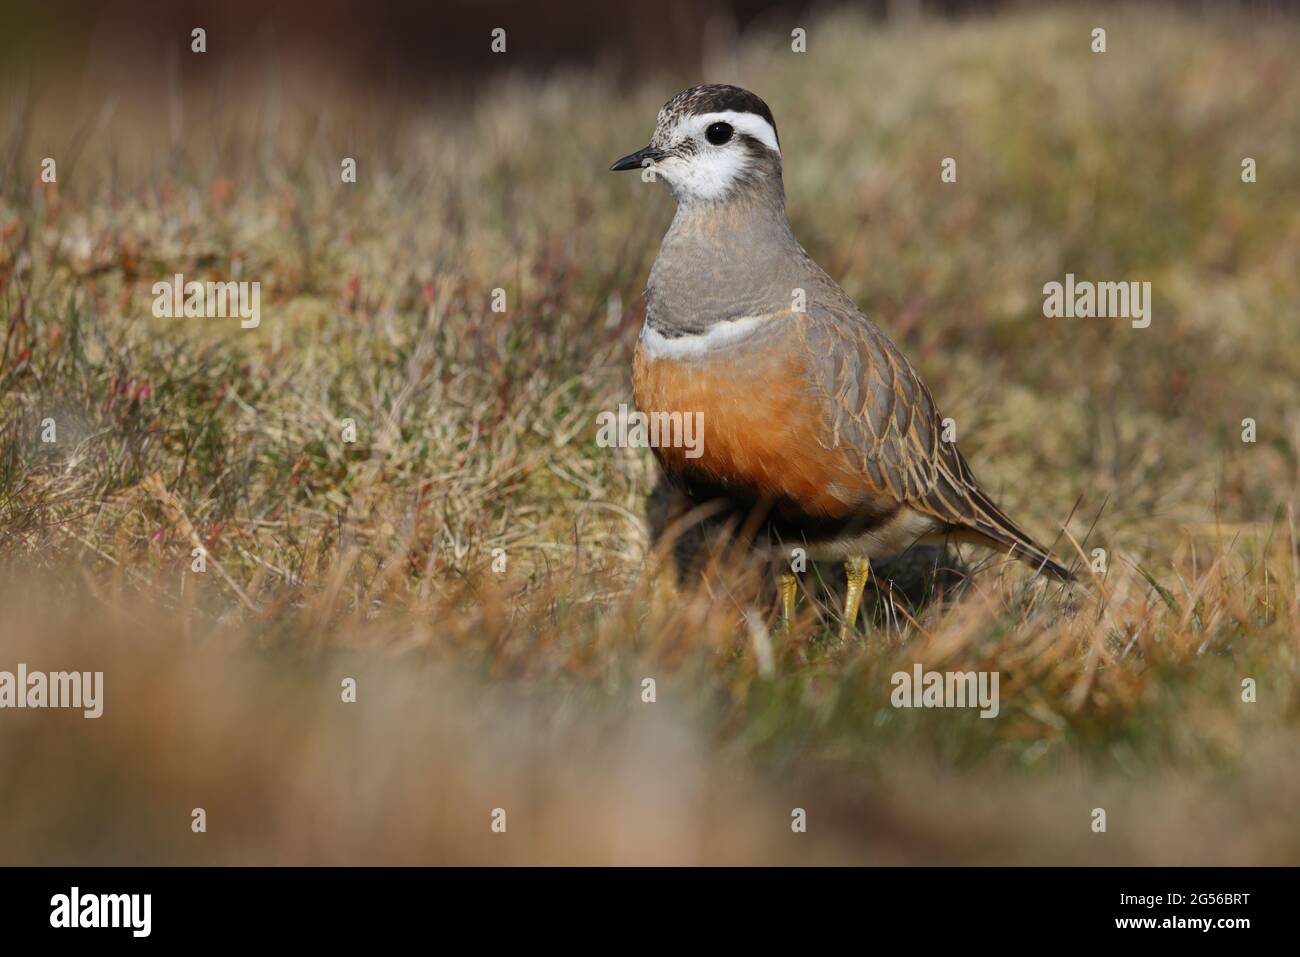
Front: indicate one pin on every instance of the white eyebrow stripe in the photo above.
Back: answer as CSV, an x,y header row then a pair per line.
x,y
750,123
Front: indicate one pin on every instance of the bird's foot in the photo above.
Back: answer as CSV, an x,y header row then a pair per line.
x,y
856,570
789,590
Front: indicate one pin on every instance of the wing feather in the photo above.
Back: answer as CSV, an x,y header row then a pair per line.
x,y
878,411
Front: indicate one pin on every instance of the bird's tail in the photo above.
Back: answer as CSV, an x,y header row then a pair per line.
x,y
972,516
994,529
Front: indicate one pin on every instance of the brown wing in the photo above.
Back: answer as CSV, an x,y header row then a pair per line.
x,y
880,415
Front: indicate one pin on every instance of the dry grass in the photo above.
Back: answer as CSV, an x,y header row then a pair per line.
x,y
476,432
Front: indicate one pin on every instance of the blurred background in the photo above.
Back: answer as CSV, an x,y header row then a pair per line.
x,y
521,687
390,46
397,45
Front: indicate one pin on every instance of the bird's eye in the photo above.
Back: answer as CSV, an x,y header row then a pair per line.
x,y
718,133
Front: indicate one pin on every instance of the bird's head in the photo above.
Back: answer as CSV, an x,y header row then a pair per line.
x,y
710,143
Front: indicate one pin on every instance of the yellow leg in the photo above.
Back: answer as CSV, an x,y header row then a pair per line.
x,y
789,586
856,570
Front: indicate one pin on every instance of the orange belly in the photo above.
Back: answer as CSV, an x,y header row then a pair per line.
x,y
760,428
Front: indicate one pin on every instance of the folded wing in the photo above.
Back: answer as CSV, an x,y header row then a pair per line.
x,y
880,415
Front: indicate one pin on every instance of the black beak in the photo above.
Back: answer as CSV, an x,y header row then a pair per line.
x,y
643,156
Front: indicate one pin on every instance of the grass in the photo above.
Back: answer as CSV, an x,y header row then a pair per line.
x,y
522,689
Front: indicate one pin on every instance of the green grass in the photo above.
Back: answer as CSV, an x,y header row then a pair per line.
x,y
476,432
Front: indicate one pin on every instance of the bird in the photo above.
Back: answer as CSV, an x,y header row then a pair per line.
x,y
814,422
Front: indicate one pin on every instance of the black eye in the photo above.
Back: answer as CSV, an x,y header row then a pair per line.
x,y
718,133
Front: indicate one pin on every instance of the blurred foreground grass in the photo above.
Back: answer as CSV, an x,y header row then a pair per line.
x,y
523,689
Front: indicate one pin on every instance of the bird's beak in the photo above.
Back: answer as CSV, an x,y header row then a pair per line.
x,y
638,159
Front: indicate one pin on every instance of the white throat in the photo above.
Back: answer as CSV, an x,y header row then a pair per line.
x,y
711,172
